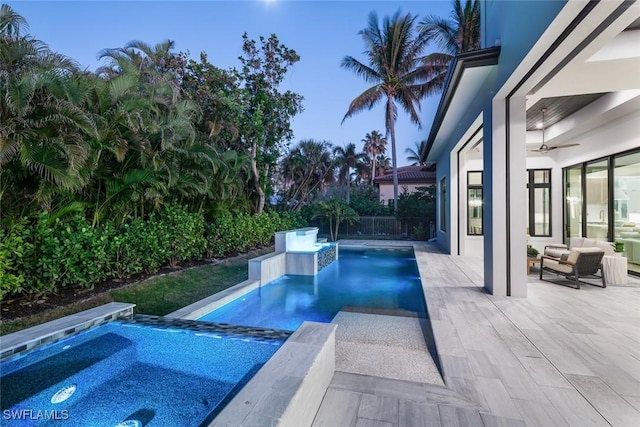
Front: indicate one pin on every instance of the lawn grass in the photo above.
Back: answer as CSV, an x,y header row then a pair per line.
x,y
157,296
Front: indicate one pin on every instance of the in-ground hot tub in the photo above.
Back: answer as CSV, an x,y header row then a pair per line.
x,y
148,371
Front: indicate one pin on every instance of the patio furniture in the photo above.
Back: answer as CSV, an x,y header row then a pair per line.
x,y
559,250
531,260
579,263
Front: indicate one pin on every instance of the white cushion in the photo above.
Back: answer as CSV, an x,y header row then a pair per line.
x,y
606,247
556,253
556,266
576,242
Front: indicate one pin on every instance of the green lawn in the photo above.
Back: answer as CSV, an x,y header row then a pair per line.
x,y
159,295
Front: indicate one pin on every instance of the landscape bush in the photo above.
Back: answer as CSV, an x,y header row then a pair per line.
x,y
48,254
235,234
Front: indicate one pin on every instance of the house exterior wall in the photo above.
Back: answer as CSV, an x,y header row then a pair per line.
x,y
502,24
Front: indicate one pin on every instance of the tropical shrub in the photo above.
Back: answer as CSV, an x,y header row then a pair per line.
x,y
11,253
234,234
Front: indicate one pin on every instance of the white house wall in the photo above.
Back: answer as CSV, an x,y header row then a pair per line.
x,y
443,169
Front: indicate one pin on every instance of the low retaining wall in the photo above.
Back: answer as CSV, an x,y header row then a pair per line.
x,y
288,389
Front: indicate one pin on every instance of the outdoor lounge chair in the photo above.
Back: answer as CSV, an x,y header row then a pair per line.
x,y
580,262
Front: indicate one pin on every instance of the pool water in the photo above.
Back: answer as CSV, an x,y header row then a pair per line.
x,y
120,372
364,278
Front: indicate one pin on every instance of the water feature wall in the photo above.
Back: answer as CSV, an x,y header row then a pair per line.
x,y
298,240
297,252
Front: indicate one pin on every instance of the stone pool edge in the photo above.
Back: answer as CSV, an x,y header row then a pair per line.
x,y
27,339
210,303
289,388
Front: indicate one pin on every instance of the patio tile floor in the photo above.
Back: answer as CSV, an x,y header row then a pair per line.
x,y
560,357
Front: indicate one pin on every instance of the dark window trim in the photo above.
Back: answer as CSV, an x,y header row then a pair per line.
x,y
443,204
475,187
531,187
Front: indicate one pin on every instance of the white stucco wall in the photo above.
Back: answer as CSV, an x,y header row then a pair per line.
x,y
386,190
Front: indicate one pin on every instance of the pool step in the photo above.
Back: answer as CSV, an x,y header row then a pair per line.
x,y
370,344
382,311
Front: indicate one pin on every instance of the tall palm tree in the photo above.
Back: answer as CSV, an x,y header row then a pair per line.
x,y
460,33
346,158
374,144
394,67
415,155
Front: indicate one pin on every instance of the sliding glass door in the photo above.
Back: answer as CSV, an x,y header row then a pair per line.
x,y
626,206
602,201
573,202
597,200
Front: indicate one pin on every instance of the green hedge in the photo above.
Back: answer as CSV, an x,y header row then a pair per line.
x,y
46,255
236,234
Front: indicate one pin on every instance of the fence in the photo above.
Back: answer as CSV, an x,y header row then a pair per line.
x,y
382,226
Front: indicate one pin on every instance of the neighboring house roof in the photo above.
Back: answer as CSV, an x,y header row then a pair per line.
x,y
410,174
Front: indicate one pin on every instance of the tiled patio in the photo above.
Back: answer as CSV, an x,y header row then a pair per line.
x,y
559,357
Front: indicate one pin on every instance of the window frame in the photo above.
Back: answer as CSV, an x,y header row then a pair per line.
x,y
531,189
443,204
475,187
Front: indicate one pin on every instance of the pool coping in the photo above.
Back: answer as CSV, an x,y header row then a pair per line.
x,y
27,339
289,388
205,305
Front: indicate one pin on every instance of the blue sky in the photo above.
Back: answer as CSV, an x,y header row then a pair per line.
x,y
322,32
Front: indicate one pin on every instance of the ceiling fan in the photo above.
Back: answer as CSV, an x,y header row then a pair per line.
x,y
544,148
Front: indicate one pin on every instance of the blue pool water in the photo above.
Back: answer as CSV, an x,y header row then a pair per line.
x,y
366,278
121,372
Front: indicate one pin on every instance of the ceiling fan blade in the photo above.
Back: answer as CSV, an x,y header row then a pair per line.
x,y
566,145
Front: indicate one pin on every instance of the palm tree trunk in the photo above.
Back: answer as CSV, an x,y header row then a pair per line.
x,y
373,170
392,132
348,188
256,178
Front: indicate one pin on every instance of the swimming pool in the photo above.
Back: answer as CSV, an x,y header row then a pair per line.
x,y
368,278
123,372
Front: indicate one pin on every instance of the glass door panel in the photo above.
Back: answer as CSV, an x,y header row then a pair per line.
x,y
597,200
626,206
573,200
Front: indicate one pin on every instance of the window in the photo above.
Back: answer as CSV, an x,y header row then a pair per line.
x,y
443,204
602,202
539,202
474,203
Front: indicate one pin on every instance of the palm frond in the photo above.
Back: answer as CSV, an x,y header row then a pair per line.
x,y
365,101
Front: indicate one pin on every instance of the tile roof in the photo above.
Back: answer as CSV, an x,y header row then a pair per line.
x,y
411,174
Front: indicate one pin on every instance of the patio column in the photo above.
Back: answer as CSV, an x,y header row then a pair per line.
x,y
504,211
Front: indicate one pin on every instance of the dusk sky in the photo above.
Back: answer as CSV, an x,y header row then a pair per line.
x,y
321,32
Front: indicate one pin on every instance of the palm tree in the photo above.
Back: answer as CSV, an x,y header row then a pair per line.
x,y
306,170
346,158
336,211
374,144
43,132
364,172
415,156
460,33
383,164
396,72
